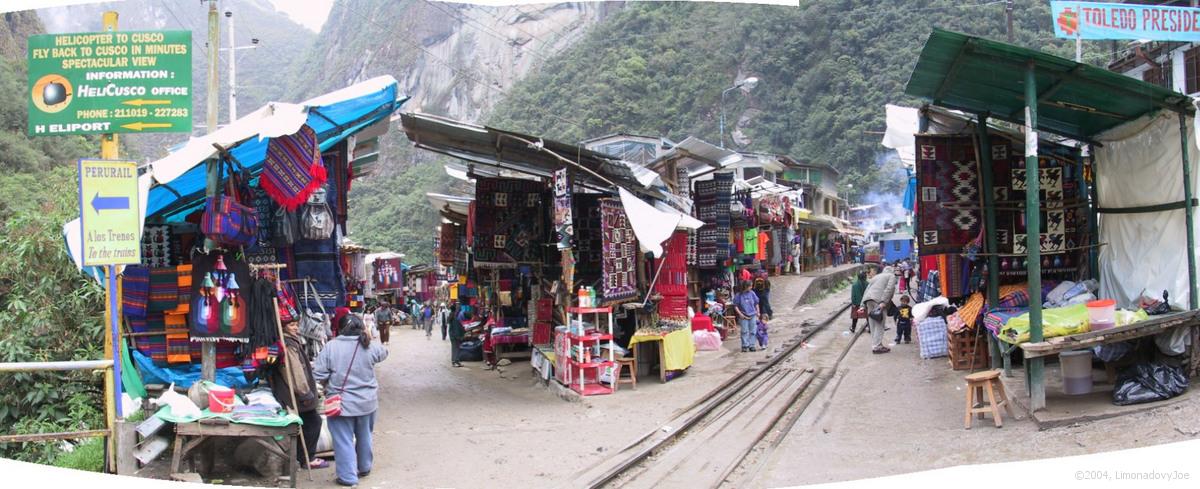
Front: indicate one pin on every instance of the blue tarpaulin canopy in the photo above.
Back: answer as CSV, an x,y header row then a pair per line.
x,y
174,186
333,123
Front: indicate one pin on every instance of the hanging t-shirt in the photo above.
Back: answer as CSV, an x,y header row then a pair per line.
x,y
750,240
736,238
763,239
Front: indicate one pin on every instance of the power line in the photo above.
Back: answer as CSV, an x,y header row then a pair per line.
x,y
486,30
191,27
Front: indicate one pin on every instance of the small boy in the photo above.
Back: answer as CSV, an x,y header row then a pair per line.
x,y
904,320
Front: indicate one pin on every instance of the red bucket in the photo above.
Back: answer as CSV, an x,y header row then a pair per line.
x,y
220,400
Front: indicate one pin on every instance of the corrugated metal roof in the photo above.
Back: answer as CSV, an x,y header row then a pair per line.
x,y
507,150
1076,100
697,156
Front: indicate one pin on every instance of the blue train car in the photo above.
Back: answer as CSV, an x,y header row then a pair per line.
x,y
896,246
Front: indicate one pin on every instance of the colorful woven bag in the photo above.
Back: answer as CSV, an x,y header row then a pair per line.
x,y
226,221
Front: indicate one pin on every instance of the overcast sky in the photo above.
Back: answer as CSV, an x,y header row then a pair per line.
x,y
309,13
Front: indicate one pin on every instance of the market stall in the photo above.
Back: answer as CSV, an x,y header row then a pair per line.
x,y
232,254
550,228
1032,201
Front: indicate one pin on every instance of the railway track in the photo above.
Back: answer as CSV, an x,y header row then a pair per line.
x,y
727,436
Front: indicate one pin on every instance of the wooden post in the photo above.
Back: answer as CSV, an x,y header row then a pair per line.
x,y
1093,190
989,226
1188,212
110,150
989,210
208,349
1033,264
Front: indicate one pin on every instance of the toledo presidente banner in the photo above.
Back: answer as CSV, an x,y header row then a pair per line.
x,y
1092,20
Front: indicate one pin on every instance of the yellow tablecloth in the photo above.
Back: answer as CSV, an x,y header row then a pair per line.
x,y
678,348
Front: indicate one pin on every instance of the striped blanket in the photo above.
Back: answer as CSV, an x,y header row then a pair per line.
x,y
135,292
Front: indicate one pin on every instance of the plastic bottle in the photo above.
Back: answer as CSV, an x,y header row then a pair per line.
x,y
592,302
583,296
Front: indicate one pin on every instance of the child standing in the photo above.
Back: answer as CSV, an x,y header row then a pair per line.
x,y
904,319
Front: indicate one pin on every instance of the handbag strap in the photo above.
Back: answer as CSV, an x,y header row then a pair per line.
x,y
342,389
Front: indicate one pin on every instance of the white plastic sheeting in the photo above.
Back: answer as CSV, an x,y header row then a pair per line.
x,y
1140,164
651,225
902,124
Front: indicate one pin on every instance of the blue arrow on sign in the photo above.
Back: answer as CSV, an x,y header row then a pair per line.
x,y
109,203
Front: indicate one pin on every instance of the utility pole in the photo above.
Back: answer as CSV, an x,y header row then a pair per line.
x,y
232,49
208,349
232,71
1008,9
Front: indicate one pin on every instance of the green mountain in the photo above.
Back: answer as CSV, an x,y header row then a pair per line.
x,y
826,69
455,60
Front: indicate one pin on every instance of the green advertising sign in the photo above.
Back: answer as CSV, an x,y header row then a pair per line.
x,y
110,82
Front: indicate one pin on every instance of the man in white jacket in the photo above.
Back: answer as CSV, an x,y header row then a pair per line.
x,y
876,300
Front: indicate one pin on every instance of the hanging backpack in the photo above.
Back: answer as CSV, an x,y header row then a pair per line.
x,y
284,228
317,219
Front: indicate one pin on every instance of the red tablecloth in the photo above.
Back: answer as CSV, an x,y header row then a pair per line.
x,y
702,322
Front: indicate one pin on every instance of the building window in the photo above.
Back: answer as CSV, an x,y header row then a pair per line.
x,y
814,177
1160,75
1191,70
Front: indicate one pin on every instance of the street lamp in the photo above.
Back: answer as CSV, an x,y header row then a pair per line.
x,y
746,85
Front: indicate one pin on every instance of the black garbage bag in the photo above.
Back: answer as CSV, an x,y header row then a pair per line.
x,y
1149,382
470,351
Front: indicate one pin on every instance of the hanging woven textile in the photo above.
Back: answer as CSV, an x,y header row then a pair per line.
x,y
620,252
293,168
263,330
218,308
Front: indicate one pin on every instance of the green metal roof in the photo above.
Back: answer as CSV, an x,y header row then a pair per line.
x,y
1076,100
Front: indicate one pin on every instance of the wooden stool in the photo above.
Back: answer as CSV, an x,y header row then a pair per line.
x,y
622,364
977,383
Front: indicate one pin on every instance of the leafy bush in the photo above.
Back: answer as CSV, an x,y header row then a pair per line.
x,y
50,312
88,456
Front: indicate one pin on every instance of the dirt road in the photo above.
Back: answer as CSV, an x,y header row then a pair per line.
x,y
440,426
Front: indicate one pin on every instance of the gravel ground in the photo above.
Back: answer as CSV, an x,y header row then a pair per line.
x,y
444,427
896,413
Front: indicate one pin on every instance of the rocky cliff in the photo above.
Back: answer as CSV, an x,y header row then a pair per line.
x,y
455,60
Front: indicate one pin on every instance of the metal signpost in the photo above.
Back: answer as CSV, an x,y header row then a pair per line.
x,y
109,217
110,82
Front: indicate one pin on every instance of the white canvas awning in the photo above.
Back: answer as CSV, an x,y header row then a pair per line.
x,y
653,225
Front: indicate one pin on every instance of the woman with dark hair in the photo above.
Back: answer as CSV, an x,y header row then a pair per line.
x,y
347,366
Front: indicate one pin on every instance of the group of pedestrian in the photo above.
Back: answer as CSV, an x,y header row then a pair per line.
x,y
753,307
346,367
873,300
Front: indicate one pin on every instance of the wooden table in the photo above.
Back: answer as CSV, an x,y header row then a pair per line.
x,y
659,342
190,436
1152,326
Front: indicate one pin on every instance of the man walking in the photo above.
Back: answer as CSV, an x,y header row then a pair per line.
x,y
456,336
747,309
445,314
383,321
877,300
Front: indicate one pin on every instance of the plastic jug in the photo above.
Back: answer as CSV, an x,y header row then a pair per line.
x,y
584,297
1102,314
1076,367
